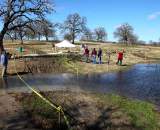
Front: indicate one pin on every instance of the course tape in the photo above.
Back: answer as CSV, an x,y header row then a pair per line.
x,y
72,66
59,108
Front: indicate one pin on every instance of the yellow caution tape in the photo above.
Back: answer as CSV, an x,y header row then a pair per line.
x,y
59,108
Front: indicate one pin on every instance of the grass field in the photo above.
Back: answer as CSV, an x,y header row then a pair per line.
x,y
133,55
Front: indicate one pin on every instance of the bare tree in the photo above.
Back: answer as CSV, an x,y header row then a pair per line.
x,y
30,33
44,28
28,10
133,39
75,24
88,35
21,32
125,34
100,33
10,36
141,42
48,29
37,27
68,37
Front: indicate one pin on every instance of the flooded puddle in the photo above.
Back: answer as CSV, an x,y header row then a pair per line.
x,y
142,82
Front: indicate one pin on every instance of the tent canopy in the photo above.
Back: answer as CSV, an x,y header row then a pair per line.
x,y
65,44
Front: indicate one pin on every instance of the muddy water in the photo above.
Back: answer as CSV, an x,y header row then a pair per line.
x,y
142,81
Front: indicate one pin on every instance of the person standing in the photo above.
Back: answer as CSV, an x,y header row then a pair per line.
x,y
86,53
120,58
94,54
4,63
108,53
100,55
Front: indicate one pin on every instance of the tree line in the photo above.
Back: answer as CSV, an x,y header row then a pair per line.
x,y
26,19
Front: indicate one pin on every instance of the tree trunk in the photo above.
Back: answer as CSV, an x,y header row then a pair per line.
x,y
21,41
73,41
1,42
73,38
46,38
39,37
2,33
15,36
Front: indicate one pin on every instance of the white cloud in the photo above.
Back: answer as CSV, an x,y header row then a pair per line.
x,y
154,15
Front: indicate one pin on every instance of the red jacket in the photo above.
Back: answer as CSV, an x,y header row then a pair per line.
x,y
86,52
94,52
120,55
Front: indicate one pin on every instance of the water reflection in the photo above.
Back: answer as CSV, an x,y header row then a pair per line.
x,y
141,82
3,85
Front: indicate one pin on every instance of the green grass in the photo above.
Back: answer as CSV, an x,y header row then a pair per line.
x,y
39,107
137,114
42,114
141,114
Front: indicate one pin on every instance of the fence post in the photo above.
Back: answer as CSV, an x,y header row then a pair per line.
x,y
59,119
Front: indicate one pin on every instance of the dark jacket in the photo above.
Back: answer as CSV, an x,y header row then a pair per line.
x,y
99,52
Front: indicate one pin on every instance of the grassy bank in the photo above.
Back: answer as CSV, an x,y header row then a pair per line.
x,y
87,111
133,55
141,114
55,64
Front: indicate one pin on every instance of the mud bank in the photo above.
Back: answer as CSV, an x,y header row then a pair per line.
x,y
88,111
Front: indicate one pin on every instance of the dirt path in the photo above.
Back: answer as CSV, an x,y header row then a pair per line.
x,y
11,114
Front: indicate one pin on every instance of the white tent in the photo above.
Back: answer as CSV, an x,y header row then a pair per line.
x,y
65,44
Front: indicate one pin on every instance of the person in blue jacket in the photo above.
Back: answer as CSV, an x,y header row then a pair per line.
x,y
4,62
